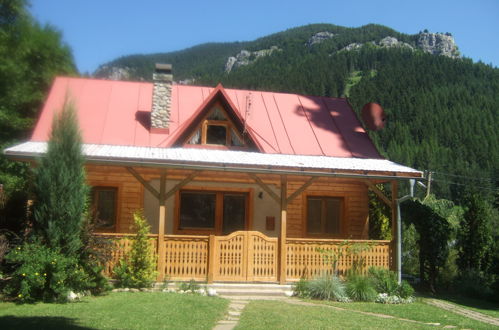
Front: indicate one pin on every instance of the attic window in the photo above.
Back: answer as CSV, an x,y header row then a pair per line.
x,y
216,134
216,129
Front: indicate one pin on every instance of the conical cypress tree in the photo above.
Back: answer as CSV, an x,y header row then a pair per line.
x,y
60,188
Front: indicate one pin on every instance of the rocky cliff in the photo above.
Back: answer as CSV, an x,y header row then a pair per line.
x,y
437,44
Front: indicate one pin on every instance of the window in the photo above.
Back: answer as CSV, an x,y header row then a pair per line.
x,y
324,215
212,211
104,207
216,129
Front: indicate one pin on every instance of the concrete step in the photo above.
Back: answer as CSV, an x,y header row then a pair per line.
x,y
248,289
231,290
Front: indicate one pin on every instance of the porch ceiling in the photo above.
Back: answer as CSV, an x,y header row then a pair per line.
x,y
225,160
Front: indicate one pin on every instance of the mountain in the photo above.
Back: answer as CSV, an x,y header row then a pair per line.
x,y
442,109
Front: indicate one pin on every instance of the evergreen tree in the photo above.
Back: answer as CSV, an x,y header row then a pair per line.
x,y
475,241
60,188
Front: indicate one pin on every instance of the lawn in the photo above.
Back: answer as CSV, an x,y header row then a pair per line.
x,y
418,311
123,310
482,306
279,315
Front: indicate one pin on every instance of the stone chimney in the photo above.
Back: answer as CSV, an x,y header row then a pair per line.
x,y
161,98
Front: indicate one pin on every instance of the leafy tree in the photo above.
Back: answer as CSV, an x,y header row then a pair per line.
x,y
31,56
60,188
434,234
475,241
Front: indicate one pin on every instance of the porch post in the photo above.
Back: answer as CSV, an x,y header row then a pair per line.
x,y
161,227
395,239
282,245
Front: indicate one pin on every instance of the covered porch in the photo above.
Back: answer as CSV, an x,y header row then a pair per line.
x,y
276,241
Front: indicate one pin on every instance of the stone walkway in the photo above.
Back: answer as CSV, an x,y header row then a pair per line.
x,y
463,311
236,306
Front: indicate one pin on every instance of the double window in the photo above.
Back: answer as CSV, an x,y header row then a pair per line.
x,y
104,207
212,211
324,215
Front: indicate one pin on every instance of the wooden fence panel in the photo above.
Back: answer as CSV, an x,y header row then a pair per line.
x,y
186,257
262,258
307,258
120,246
231,257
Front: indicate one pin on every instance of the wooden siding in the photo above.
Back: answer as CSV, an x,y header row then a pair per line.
x,y
130,192
131,195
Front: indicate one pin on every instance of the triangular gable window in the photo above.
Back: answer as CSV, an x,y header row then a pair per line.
x,y
216,129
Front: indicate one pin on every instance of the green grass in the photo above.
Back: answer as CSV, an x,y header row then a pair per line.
x,y
418,311
280,315
123,310
482,306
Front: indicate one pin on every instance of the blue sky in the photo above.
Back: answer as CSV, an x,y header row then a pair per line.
x,y
101,30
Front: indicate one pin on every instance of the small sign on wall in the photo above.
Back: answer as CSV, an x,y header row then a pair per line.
x,y
270,223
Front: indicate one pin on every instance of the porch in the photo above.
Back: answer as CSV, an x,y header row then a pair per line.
x,y
289,225
250,256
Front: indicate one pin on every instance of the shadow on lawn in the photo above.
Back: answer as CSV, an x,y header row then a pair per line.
x,y
39,322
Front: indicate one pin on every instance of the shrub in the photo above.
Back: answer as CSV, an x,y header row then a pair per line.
x,y
405,290
190,286
360,288
473,283
327,287
43,273
384,298
138,268
301,288
384,280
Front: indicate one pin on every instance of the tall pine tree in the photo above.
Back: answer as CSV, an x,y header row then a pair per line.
x,y
60,188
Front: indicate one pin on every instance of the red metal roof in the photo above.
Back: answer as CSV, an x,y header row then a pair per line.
x,y
117,112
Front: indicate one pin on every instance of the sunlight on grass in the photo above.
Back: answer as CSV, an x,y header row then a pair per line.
x,y
280,315
122,310
418,311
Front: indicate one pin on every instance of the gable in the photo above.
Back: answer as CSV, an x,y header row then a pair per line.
x,y
216,124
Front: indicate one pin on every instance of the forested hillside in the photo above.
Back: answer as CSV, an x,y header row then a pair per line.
x,y
442,109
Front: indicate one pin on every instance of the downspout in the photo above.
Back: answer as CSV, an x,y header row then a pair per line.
x,y
399,230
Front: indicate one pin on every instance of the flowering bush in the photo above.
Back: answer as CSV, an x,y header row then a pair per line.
x,y
384,298
43,274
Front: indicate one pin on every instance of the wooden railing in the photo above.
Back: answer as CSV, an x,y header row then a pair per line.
x,y
186,257
249,256
121,244
307,258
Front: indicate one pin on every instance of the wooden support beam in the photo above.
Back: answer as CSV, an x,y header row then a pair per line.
x,y
146,184
211,258
379,193
265,187
301,189
394,224
181,184
282,245
161,227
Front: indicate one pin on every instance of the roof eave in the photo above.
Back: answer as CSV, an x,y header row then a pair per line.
x,y
269,169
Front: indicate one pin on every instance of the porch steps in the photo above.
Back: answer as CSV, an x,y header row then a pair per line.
x,y
250,291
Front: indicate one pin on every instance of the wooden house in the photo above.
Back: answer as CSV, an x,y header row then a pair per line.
x,y
237,185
